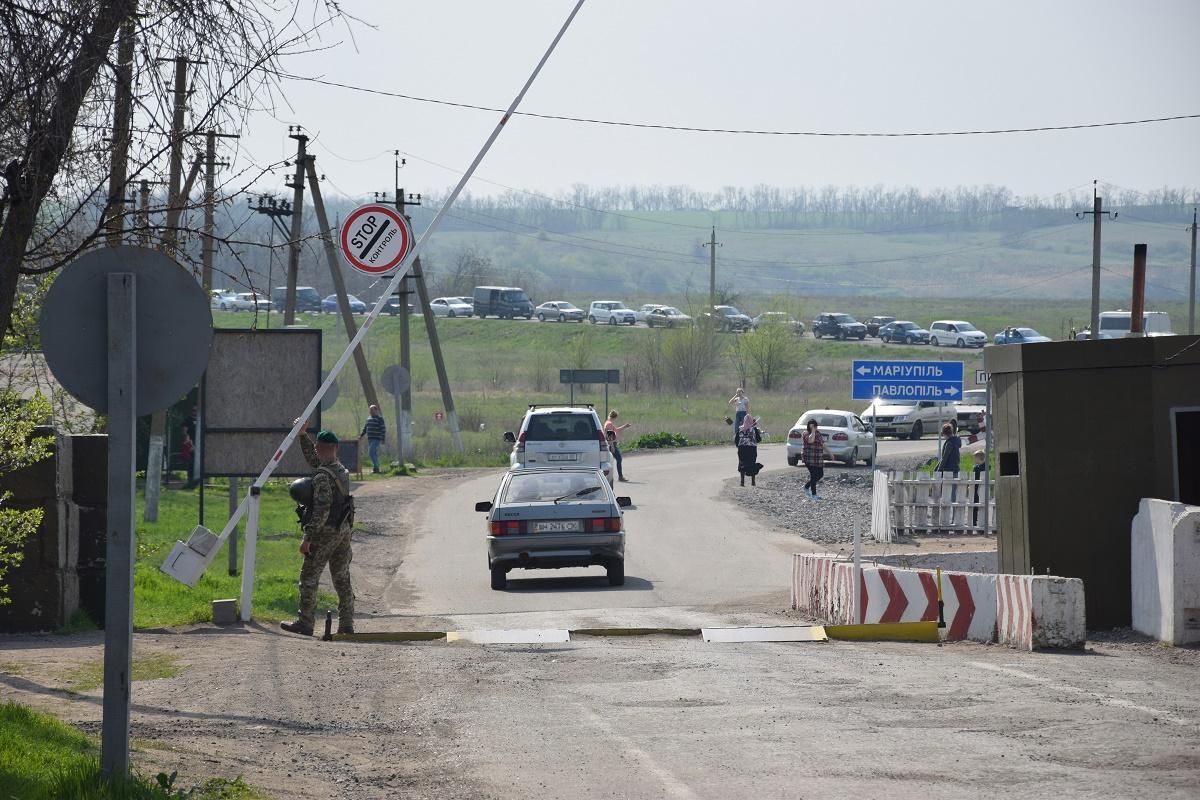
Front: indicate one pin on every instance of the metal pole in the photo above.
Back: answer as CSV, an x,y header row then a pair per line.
x,y
233,537
252,503
987,457
1192,282
403,270
712,269
289,307
118,593
1097,202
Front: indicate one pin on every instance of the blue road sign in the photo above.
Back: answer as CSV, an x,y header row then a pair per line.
x,y
908,380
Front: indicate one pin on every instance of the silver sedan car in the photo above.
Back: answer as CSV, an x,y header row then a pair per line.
x,y
550,519
847,439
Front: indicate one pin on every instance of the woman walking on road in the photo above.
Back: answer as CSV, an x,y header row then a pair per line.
x,y
812,453
748,437
611,431
741,402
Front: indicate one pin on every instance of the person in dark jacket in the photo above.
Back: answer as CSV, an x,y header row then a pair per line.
x,y
375,431
748,437
951,452
813,453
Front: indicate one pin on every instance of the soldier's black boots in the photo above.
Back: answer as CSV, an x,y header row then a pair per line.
x,y
297,627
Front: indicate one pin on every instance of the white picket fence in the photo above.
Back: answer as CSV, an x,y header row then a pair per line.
x,y
907,503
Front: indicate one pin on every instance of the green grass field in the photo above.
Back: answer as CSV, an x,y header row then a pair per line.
x,y
161,601
42,758
497,368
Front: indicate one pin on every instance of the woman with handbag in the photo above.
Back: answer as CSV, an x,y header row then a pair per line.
x,y
748,437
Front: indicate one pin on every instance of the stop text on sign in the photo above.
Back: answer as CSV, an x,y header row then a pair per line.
x,y
375,238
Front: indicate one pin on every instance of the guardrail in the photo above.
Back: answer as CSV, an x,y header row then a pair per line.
x,y
907,503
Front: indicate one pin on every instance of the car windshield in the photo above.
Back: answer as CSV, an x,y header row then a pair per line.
x,y
547,487
827,420
567,307
843,318
1027,332
906,326
1122,323
974,397
466,300
670,312
728,311
561,428
964,327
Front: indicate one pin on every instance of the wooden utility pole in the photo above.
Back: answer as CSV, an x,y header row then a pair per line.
x,y
1096,213
158,421
274,209
207,244
339,285
712,244
1192,283
418,278
114,214
297,186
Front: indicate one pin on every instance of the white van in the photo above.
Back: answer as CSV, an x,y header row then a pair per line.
x,y
1117,324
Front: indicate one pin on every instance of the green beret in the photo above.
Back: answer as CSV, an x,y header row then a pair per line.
x,y
328,437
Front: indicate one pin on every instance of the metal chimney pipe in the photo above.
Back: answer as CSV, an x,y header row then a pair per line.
x,y
1136,323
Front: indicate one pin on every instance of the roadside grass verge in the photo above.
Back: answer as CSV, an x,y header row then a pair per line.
x,y
86,677
161,601
42,758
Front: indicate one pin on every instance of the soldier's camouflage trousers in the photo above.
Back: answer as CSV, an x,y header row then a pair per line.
x,y
332,549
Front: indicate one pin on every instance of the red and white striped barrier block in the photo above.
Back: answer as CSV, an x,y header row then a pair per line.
x,y
911,595
1036,611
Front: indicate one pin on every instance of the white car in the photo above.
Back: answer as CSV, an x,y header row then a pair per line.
x,y
613,312
956,333
847,438
560,436
249,301
908,419
450,307
221,299
971,410
645,310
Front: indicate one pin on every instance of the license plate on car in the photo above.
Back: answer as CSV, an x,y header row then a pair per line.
x,y
558,526
562,456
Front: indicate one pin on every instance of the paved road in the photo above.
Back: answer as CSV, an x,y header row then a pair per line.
x,y
691,558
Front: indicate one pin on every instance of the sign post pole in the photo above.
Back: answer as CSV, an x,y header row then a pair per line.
x,y
118,572
251,551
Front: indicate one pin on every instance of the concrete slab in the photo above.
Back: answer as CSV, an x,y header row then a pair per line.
x,y
781,633
510,637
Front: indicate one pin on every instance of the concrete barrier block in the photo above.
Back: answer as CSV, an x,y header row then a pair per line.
x,y
224,612
1165,571
1038,611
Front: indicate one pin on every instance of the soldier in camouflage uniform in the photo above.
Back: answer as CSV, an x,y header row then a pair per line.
x,y
324,541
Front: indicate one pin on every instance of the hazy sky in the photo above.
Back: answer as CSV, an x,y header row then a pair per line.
x,y
763,64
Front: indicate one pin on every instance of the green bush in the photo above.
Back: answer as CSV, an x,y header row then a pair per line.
x,y
655,441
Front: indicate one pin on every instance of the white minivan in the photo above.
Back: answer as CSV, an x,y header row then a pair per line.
x,y
560,436
956,333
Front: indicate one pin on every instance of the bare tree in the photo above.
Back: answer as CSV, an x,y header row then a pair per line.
x,y
56,106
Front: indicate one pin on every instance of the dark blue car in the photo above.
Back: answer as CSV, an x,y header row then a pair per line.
x,y
330,304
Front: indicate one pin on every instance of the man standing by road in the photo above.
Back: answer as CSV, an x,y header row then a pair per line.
x,y
375,430
327,521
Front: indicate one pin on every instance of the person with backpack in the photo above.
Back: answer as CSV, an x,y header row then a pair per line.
x,y
748,437
326,511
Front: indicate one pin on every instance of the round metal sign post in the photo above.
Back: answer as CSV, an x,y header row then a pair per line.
x,y
375,238
127,331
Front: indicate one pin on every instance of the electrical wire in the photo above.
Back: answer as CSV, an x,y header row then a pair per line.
x,y
746,131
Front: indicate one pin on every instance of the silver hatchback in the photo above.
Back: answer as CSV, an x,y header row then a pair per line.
x,y
550,519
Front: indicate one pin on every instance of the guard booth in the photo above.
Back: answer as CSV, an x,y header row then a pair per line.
x,y
1082,432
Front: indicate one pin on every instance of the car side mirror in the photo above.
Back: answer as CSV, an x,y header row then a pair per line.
x,y
485,505
510,437
624,502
